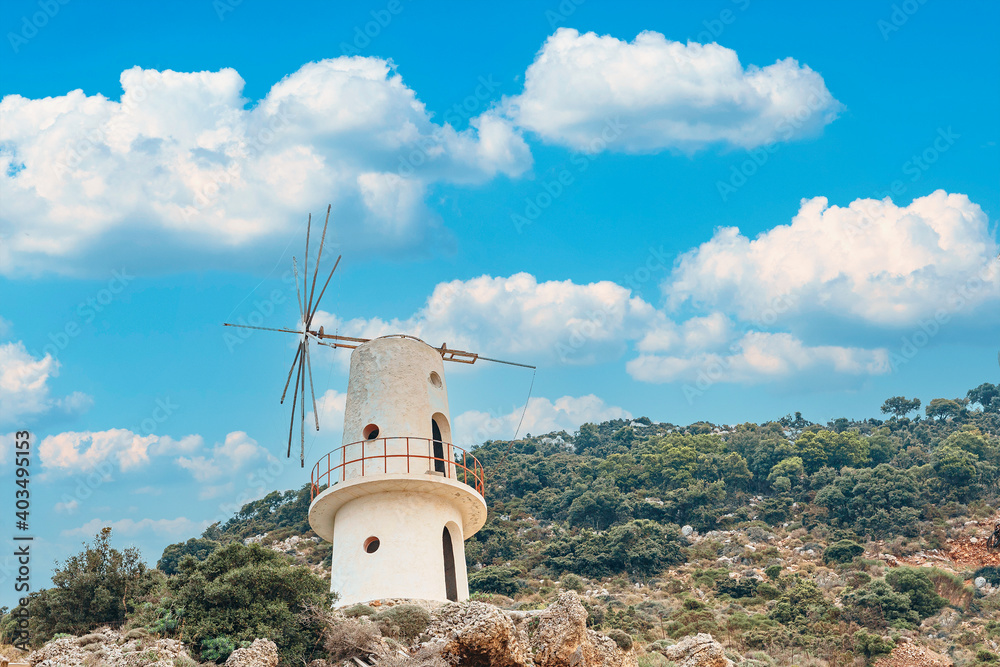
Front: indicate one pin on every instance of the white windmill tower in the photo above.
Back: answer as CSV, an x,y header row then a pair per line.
x,y
397,499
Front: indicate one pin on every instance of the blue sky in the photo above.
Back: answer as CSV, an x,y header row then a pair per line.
x,y
674,210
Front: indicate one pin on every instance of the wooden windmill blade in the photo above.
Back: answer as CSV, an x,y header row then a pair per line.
x,y
302,361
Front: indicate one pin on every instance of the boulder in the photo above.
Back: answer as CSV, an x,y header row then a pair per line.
x,y
478,635
699,650
262,653
561,639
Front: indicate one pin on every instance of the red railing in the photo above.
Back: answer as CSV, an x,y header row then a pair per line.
x,y
350,461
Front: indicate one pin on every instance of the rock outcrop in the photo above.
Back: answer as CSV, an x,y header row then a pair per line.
x,y
262,653
111,648
699,650
561,639
479,635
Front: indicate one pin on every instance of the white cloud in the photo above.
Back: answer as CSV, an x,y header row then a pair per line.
x,y
666,94
231,456
180,526
331,406
759,357
519,317
871,260
67,507
84,451
167,446
24,386
184,162
542,416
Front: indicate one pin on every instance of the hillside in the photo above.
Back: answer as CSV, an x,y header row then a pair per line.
x,y
792,543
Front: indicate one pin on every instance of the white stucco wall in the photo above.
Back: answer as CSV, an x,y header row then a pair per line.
x,y
398,385
409,562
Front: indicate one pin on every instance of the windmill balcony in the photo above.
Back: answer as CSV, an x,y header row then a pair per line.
x,y
396,457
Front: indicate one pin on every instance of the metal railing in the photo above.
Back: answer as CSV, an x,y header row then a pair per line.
x,y
397,455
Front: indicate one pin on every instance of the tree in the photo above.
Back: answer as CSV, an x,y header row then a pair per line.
x,y
944,408
242,592
900,406
199,548
98,585
987,395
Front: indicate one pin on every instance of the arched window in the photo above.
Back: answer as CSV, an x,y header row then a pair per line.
x,y
450,581
438,447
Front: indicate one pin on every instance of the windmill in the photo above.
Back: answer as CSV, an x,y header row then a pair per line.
x,y
301,363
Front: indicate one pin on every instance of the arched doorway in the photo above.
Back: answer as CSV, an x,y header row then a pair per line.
x,y
450,581
438,447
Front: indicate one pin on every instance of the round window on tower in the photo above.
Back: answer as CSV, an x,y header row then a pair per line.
x,y
435,379
370,432
371,545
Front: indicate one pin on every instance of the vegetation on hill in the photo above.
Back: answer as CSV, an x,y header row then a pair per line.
x,y
788,538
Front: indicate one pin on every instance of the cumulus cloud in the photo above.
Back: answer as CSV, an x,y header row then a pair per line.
x,y
227,458
759,357
553,321
24,386
85,450
179,526
666,94
871,260
330,406
541,416
183,168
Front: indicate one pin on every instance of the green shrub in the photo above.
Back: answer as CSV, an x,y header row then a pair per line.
x,y
773,572
985,656
768,591
197,547
916,584
872,645
744,587
843,551
354,611
572,582
622,638
877,604
240,593
217,649
495,579
405,621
